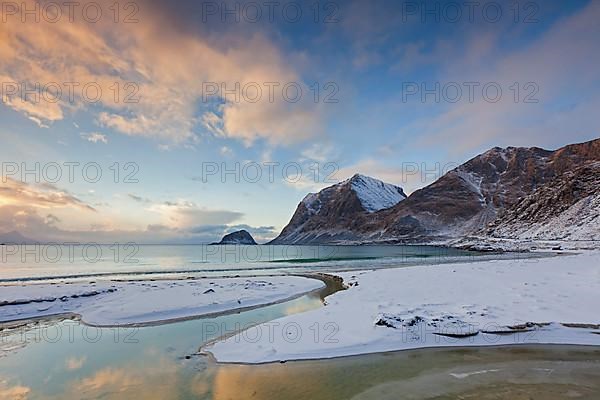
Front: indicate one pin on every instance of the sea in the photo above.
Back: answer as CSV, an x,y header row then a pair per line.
x,y
72,261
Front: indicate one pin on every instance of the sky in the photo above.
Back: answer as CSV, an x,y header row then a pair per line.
x,y
155,122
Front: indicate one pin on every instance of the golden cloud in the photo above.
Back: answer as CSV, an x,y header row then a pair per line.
x,y
44,195
166,69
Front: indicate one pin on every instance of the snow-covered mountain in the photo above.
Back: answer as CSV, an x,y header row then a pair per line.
x,y
481,191
330,215
515,192
375,195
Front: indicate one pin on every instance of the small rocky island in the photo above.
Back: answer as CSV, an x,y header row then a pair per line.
x,y
238,237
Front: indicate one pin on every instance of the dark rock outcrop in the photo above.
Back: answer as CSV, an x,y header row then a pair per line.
x,y
238,237
567,208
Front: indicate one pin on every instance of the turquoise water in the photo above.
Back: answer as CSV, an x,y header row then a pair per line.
x,y
47,261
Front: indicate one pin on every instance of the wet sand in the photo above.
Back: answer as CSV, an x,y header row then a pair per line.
x,y
516,372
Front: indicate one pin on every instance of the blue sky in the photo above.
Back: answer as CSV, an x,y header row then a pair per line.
x,y
373,59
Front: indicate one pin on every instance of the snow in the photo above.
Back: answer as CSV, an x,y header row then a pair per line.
x,y
312,203
579,222
418,303
474,183
375,195
111,303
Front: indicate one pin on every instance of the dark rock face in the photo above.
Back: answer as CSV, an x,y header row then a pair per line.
x,y
470,197
492,188
568,207
239,237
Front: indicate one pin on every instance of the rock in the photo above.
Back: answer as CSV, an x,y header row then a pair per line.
x,y
457,335
383,322
238,237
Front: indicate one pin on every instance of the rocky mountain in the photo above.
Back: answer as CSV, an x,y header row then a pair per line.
x,y
567,208
238,237
488,190
331,214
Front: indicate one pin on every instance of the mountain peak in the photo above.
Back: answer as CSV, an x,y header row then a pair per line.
x,y
358,176
339,205
376,195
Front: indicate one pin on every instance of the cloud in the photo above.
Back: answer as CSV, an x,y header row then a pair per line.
x,y
38,210
138,199
226,151
152,76
320,152
177,222
43,195
183,214
567,92
210,229
73,363
95,137
51,220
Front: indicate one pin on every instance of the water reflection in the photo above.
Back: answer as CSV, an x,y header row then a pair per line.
x,y
158,369
68,360
486,373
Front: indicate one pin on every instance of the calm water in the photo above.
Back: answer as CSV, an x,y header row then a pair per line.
x,y
45,261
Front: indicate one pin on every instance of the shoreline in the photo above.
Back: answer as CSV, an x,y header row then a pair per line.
x,y
143,310
59,317
564,317
408,351
178,274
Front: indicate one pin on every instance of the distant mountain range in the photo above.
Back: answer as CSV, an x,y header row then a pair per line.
x,y
514,192
14,237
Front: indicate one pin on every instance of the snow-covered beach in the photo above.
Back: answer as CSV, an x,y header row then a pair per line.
x,y
529,301
492,302
144,302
